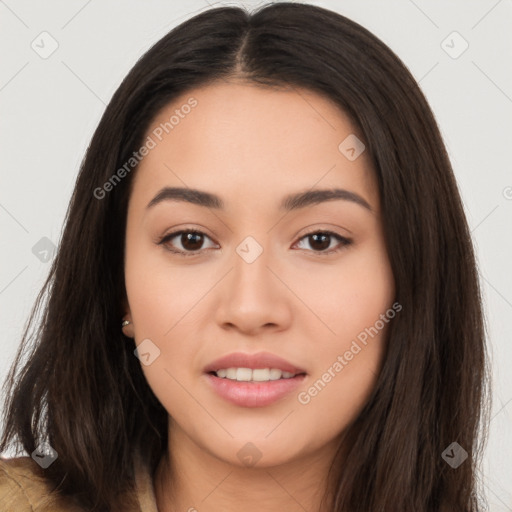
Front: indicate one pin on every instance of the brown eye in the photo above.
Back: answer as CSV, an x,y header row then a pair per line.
x,y
191,241
320,241
185,242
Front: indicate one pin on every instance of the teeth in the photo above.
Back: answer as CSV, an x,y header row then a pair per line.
x,y
256,375
274,374
244,374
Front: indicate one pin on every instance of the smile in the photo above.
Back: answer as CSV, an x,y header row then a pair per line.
x,y
254,393
256,375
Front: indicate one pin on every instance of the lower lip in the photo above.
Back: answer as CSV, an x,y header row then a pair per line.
x,y
254,394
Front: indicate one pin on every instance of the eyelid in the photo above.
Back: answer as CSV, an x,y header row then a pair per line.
x,y
344,241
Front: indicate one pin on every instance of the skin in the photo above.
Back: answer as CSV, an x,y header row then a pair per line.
x,y
252,146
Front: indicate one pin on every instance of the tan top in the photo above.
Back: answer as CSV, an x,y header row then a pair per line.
x,y
23,488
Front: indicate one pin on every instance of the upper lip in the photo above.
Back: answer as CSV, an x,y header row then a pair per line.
x,y
253,361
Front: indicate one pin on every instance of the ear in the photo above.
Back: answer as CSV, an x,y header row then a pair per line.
x,y
128,330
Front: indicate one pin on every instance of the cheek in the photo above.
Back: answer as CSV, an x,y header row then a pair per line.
x,y
159,293
351,303
350,297
164,301
161,310
333,399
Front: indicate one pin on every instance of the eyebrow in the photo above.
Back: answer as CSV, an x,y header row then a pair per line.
x,y
290,202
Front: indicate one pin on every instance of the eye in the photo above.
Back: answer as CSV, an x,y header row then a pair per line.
x,y
190,240
319,241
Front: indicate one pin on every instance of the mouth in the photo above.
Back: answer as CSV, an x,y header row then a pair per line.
x,y
253,380
254,375
237,365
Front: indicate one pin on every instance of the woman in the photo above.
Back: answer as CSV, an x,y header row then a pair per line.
x,y
265,296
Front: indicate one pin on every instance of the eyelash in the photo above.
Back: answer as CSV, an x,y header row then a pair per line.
x,y
344,242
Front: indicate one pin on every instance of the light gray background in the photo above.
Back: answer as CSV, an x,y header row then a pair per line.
x,y
50,107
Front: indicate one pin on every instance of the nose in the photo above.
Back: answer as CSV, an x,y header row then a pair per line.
x,y
253,297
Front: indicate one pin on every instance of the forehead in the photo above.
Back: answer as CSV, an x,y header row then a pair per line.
x,y
239,135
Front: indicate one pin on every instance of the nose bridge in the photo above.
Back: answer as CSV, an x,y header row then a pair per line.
x,y
252,297
251,260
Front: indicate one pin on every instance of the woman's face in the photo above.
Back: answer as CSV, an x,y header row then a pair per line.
x,y
300,285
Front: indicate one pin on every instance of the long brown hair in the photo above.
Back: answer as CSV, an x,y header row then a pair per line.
x,y
79,386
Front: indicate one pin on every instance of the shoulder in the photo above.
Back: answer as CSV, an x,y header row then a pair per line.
x,y
23,488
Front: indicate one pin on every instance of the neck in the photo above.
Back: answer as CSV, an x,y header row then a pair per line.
x,y
192,479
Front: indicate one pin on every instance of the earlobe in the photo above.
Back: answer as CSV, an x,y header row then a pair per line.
x,y
127,328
